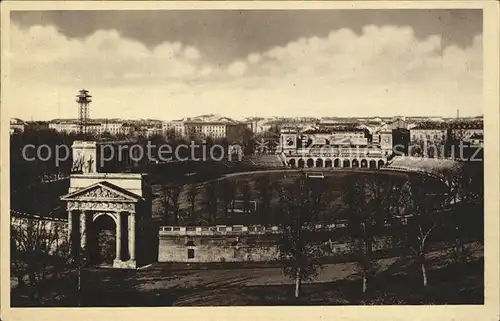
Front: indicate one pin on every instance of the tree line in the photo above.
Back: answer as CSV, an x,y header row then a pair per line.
x,y
376,206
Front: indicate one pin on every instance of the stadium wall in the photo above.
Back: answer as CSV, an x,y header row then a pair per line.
x,y
243,246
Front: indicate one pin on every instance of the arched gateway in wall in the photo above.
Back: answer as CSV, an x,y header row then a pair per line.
x,y
84,206
119,203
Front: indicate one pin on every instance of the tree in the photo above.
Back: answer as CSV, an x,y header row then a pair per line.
x,y
246,195
165,204
316,189
211,201
171,134
170,201
239,134
192,192
465,197
227,194
264,193
421,223
382,194
416,148
298,246
173,194
360,228
40,253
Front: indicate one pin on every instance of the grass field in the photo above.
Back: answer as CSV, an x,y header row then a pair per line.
x,y
334,183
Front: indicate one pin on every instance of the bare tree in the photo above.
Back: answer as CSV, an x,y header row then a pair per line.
x,y
173,193
246,195
165,204
360,228
317,189
227,194
192,192
421,223
297,244
264,193
465,193
40,253
210,201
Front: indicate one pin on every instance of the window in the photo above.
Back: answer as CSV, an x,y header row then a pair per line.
x,y
190,253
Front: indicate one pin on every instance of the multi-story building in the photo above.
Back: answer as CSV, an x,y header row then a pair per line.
x,y
175,125
152,131
428,139
65,127
439,136
333,148
215,130
208,126
429,132
114,128
466,138
98,128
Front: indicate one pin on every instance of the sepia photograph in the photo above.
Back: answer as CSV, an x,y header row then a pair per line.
x,y
246,157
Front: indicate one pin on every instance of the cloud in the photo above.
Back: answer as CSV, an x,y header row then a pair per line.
x,y
192,53
381,71
237,68
254,58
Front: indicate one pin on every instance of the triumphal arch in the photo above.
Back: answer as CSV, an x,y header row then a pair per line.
x,y
119,195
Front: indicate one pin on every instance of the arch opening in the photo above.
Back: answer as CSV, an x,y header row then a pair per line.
x,y
102,240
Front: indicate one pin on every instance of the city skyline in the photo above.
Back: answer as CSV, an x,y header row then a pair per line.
x,y
166,65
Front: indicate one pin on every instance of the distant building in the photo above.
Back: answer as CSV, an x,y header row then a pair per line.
x,y
208,126
465,130
428,133
428,139
65,127
177,126
152,131
397,124
114,128
258,126
211,129
17,125
444,136
98,128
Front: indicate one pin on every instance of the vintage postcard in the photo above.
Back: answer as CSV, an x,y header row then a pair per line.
x,y
339,159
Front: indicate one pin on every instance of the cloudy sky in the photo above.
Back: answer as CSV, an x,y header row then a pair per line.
x,y
172,64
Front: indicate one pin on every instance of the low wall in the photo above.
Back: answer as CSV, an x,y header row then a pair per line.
x,y
214,250
195,247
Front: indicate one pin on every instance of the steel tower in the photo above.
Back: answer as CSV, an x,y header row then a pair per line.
x,y
83,99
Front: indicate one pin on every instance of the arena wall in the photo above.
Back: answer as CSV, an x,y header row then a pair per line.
x,y
254,244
